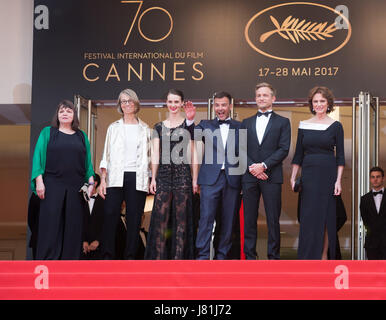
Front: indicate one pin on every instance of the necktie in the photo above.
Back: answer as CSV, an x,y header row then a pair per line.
x,y
228,121
259,113
377,192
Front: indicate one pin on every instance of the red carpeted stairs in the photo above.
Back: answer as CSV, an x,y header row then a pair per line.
x,y
193,280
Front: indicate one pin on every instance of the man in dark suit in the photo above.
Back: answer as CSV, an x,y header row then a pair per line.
x,y
219,177
373,212
268,143
92,225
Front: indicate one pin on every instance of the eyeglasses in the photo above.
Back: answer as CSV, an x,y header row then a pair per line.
x,y
126,101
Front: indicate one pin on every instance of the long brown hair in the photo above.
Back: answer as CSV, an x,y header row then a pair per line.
x,y
66,104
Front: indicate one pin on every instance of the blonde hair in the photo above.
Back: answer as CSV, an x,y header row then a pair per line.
x,y
133,96
266,85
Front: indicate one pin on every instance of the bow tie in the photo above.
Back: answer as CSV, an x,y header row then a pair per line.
x,y
259,113
228,121
377,192
93,197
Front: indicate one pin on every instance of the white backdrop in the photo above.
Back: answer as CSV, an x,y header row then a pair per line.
x,y
16,38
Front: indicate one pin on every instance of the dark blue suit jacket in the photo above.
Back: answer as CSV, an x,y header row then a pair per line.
x,y
210,168
273,149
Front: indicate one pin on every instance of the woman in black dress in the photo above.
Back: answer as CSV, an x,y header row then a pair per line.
x,y
61,165
320,154
171,226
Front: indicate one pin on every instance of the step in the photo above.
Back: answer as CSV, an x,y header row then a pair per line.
x,y
187,280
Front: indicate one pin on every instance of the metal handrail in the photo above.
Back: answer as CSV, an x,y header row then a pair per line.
x,y
353,185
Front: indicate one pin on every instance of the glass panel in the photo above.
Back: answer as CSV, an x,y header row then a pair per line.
x,y
82,105
382,136
373,136
14,196
92,138
345,117
375,158
83,113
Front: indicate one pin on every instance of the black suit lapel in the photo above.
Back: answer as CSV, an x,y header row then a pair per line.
x,y
373,208
382,206
269,126
96,205
231,127
215,123
253,128
93,207
217,142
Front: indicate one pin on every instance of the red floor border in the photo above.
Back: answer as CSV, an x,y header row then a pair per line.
x,y
193,280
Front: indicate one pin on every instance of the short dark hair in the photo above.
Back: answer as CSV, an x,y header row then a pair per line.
x,y
326,93
176,92
66,104
97,180
377,169
222,94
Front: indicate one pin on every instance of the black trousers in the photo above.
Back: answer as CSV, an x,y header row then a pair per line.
x,y
220,194
135,203
271,193
378,253
60,223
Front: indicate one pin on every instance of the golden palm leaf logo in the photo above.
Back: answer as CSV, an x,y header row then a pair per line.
x,y
293,30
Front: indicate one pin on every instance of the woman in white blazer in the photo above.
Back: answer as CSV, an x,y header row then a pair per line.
x,y
125,170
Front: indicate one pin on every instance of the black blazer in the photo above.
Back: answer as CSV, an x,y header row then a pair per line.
x,y
92,225
375,222
273,149
210,168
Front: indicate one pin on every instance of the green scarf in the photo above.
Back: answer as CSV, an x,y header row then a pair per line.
x,y
40,155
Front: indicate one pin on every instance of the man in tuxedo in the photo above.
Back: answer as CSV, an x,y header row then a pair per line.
x,y
373,212
219,177
268,143
92,226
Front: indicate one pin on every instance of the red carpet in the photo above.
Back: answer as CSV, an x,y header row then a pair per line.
x,y
193,280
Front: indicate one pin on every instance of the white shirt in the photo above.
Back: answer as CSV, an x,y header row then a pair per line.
x,y
113,155
261,125
131,137
378,199
91,203
224,129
